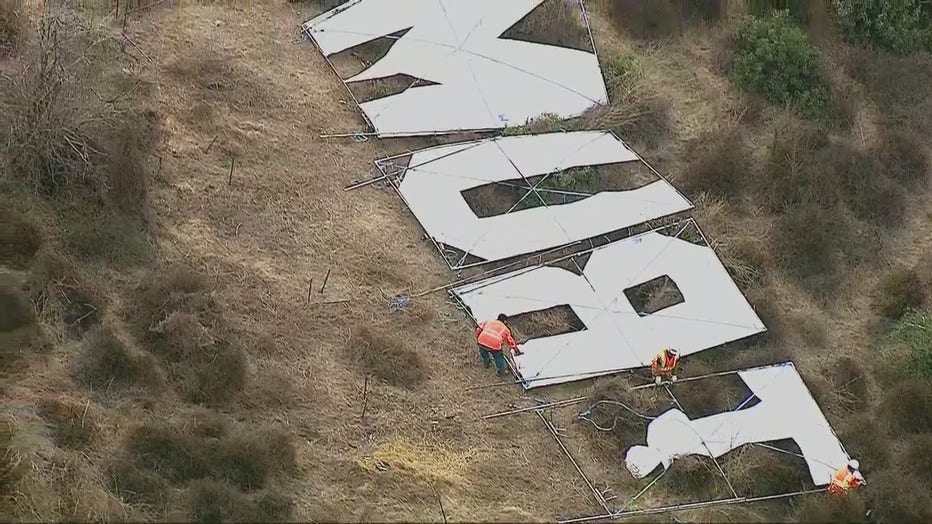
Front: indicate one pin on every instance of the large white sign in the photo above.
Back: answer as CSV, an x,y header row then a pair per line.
x,y
436,178
786,411
616,337
483,81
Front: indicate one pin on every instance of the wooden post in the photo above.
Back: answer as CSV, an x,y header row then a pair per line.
x,y
326,278
232,164
365,398
310,286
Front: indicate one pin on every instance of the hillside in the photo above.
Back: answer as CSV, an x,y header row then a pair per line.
x,y
196,316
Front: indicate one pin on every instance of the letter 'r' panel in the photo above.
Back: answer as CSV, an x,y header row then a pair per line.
x,y
712,313
434,182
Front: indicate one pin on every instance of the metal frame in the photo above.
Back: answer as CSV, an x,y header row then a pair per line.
x,y
374,131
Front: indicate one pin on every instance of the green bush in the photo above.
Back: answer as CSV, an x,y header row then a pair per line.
x,y
775,59
894,25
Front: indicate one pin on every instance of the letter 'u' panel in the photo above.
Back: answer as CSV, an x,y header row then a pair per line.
x,y
436,178
616,337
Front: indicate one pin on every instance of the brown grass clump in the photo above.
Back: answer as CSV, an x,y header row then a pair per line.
x,y
901,154
660,19
211,501
810,244
702,398
12,25
545,323
654,295
71,424
12,465
59,288
20,239
386,356
244,457
918,460
908,406
757,471
898,292
16,311
866,440
136,486
896,497
822,508
628,428
106,361
696,477
181,320
720,163
793,174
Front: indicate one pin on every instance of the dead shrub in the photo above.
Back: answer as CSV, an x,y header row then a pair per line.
x,y
181,320
918,460
654,295
106,361
810,245
785,473
135,486
908,406
695,476
12,465
640,118
245,457
898,292
211,501
72,425
386,357
793,174
896,497
58,286
175,455
660,19
16,311
628,426
12,25
702,398
868,442
820,508
720,162
247,460
901,154
219,79
20,239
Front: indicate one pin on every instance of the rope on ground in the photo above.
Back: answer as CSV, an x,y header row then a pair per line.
x,y
586,415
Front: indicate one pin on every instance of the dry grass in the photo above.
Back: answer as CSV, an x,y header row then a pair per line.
x,y
850,384
63,293
720,164
72,424
654,295
212,501
553,22
245,458
386,356
108,362
136,486
867,440
16,312
833,509
745,468
545,323
908,406
896,497
628,428
426,461
20,239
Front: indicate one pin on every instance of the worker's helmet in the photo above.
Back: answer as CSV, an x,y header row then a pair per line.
x,y
673,352
502,317
854,465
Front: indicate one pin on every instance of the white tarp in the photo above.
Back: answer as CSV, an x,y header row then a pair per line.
x,y
713,311
786,410
485,82
435,179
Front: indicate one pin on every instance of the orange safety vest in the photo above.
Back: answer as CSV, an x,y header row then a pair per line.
x,y
842,481
662,364
491,334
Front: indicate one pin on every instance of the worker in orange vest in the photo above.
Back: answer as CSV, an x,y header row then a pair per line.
x,y
491,335
846,478
663,365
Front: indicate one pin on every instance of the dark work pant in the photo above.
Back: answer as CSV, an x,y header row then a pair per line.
x,y
497,356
